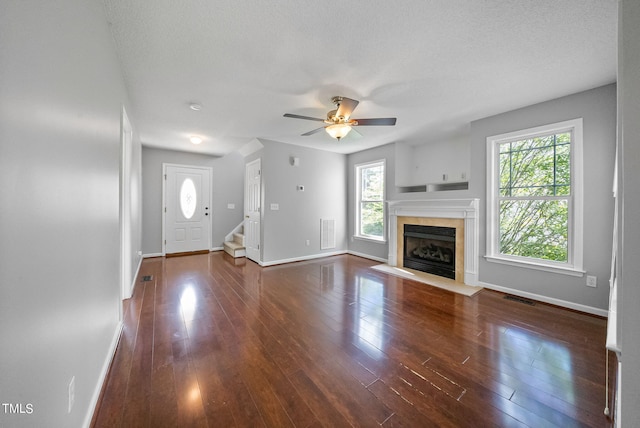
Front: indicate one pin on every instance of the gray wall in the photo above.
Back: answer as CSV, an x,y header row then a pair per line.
x,y
369,248
228,188
285,231
422,158
629,206
597,107
59,207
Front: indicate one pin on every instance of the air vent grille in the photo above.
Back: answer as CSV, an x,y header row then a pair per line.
x,y
520,299
327,234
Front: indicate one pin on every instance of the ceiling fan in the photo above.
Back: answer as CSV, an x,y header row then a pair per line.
x,y
339,121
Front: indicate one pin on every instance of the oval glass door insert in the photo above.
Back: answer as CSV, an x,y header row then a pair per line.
x,y
188,198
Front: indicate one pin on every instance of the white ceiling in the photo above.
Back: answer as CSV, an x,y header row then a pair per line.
x,y
436,65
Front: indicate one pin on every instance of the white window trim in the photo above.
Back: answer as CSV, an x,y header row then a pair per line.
x,y
358,179
574,266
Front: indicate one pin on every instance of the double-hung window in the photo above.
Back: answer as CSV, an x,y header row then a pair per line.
x,y
370,217
534,197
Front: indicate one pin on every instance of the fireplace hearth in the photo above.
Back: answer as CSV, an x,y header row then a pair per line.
x,y
430,249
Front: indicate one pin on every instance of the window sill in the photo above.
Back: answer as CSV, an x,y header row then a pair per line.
x,y
366,238
568,270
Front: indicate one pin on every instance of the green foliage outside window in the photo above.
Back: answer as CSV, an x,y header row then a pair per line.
x,y
371,201
535,186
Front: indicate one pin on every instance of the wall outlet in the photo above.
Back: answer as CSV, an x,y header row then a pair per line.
x,y
275,207
72,393
231,206
592,281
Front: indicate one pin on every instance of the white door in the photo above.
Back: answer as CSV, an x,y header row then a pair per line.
x,y
252,198
187,206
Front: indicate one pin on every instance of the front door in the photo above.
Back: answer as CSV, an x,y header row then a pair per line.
x,y
187,210
252,199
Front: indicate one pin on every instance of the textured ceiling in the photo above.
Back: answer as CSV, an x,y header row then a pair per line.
x,y
435,65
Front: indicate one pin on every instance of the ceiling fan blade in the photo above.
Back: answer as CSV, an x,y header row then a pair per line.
x,y
297,116
383,121
346,107
313,131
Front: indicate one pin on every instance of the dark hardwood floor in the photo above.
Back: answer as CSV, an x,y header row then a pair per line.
x,y
211,341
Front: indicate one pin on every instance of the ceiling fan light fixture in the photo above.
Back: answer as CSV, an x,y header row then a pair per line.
x,y
339,121
338,130
195,139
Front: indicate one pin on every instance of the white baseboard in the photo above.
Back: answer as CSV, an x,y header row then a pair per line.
x,y
135,276
367,256
151,255
216,249
103,375
558,302
302,258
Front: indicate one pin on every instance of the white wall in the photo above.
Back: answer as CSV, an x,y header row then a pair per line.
x,y
286,230
227,188
61,94
629,206
428,163
133,233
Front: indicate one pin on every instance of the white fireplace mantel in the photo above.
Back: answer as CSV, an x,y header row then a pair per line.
x,y
466,209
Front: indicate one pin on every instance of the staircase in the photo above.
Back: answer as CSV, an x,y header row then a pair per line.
x,y
234,245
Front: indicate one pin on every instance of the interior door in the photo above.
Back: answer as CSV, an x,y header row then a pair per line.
x,y
187,225
252,200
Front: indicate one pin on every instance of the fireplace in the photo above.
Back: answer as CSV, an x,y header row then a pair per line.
x,y
458,214
430,249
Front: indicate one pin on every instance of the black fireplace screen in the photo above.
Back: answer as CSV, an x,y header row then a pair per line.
x,y
430,249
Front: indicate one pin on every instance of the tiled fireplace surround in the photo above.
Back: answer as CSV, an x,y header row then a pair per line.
x,y
459,213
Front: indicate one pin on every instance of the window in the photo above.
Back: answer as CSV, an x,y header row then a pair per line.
x,y
534,197
370,218
188,198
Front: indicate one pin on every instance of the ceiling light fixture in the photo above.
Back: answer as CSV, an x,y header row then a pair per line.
x,y
195,139
195,106
338,130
